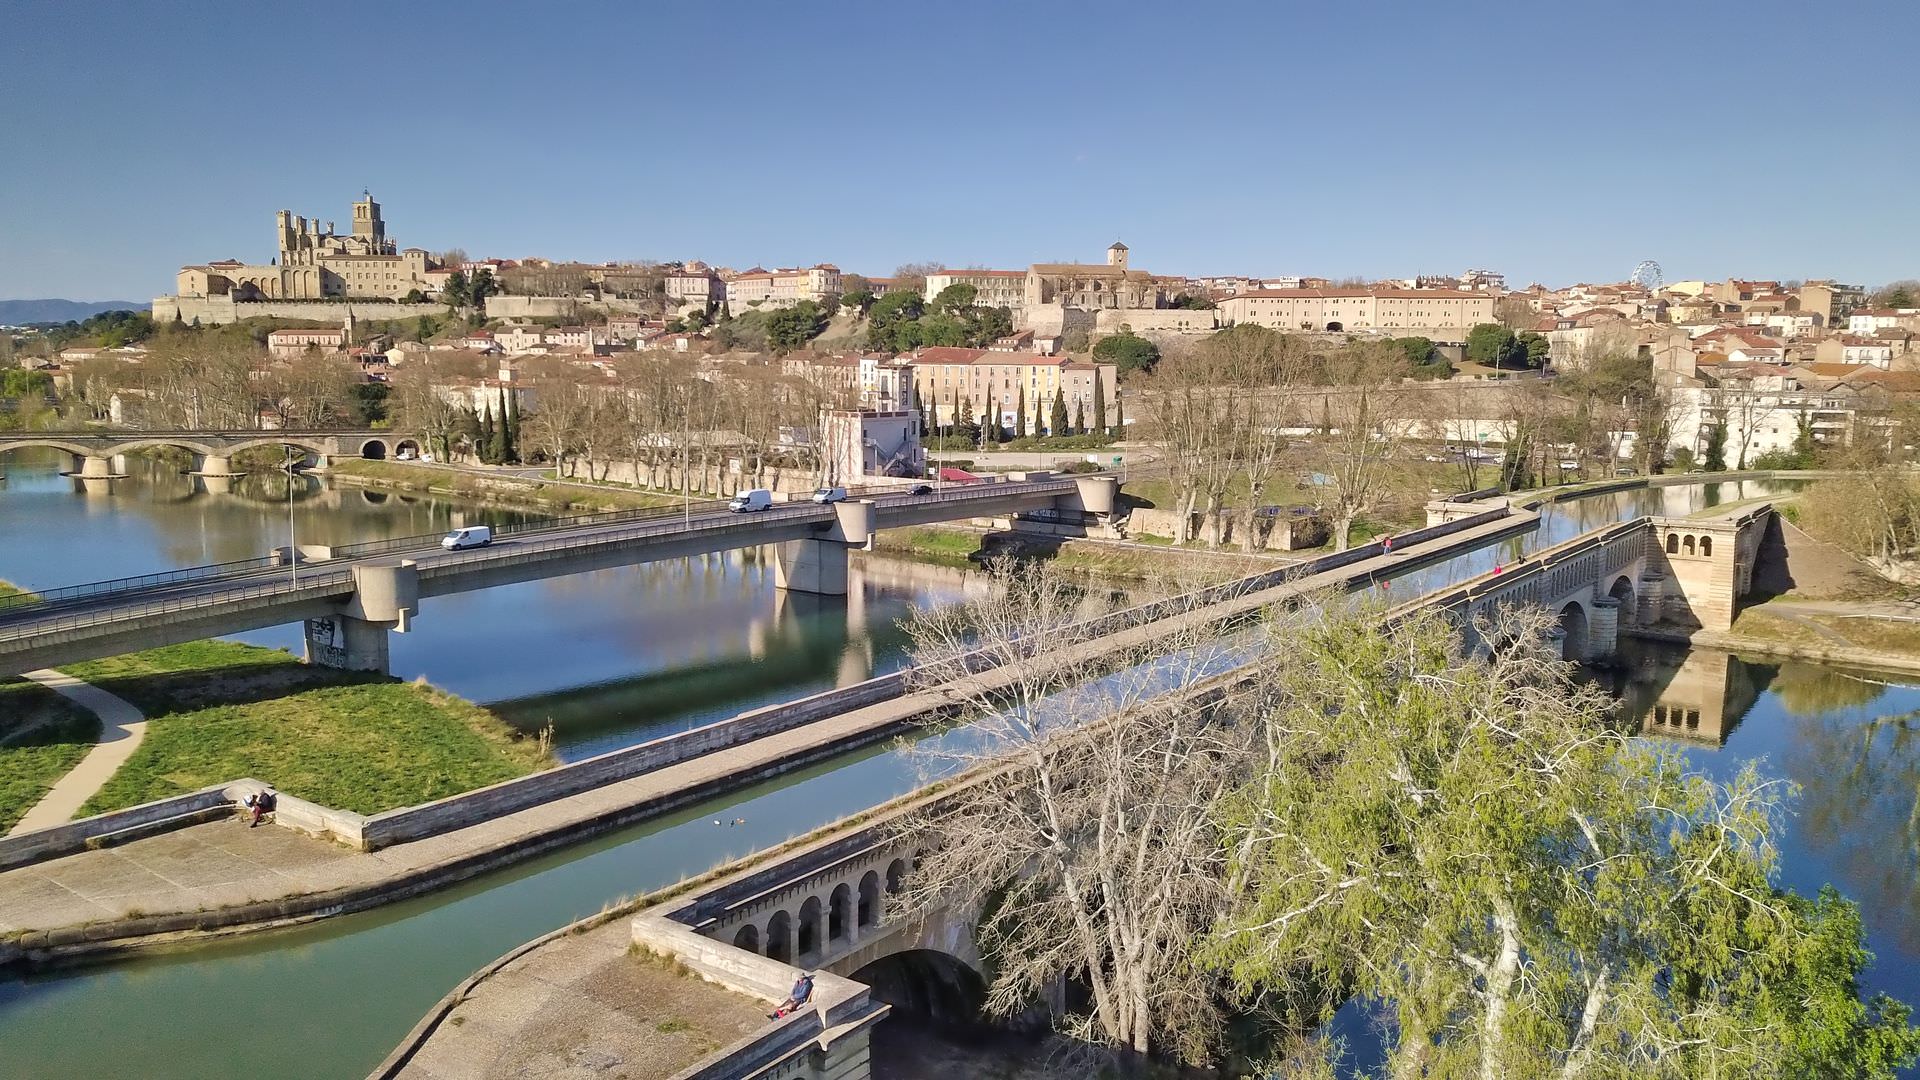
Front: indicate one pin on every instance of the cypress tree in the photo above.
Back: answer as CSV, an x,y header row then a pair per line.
x,y
1099,402
483,446
1057,419
1020,414
1080,417
510,425
1119,417
498,445
953,418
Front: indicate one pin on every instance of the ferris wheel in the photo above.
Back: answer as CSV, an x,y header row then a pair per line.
x,y
1647,275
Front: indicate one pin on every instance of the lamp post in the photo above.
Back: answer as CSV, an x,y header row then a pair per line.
x,y
293,548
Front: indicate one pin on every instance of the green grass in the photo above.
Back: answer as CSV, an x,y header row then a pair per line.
x,y
568,498
42,735
948,547
221,710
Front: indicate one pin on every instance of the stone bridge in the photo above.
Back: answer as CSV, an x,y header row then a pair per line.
x,y
94,451
831,907
1665,576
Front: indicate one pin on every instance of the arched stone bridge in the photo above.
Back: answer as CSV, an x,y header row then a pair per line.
x,y
212,451
830,907
1666,575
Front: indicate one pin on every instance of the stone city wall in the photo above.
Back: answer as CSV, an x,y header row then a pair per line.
x,y
220,310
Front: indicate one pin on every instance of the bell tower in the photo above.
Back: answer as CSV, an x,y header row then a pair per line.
x,y
367,226
1117,255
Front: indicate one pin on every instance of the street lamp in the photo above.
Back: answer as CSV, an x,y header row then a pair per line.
x,y
293,549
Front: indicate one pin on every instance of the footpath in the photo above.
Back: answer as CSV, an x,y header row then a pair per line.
x,y
221,877
122,727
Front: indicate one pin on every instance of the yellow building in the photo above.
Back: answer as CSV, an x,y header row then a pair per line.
x,y
991,384
1441,314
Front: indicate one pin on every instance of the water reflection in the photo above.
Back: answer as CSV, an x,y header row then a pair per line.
x,y
1850,743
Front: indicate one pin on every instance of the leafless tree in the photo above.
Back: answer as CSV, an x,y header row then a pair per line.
x,y
1092,858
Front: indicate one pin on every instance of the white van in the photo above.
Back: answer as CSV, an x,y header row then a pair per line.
x,y
472,536
748,502
830,495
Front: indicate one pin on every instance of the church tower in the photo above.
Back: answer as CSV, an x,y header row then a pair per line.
x,y
367,226
1117,255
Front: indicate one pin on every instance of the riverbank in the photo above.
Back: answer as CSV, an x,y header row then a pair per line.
x,y
220,709
42,737
551,496
957,545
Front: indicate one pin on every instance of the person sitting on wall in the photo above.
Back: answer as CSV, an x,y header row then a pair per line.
x,y
261,803
802,993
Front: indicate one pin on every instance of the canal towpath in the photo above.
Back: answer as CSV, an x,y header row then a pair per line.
x,y
220,877
122,729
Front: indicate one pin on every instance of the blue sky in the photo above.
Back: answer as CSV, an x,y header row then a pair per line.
x,y
1556,142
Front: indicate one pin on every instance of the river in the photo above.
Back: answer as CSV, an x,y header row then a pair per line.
x,y
331,999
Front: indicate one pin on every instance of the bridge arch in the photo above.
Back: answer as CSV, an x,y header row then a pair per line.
x,y
308,445
808,940
1573,622
31,442
927,982
780,937
1622,590
374,450
748,938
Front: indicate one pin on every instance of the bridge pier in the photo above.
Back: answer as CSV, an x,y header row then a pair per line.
x,y
385,597
1603,631
96,474
215,473
819,565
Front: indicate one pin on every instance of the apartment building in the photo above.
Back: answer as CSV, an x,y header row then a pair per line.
x,y
991,384
1441,314
765,290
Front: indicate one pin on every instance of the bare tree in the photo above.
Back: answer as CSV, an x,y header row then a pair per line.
x,y
1359,437
1092,858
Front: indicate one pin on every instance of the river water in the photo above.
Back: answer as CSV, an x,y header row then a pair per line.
x,y
619,653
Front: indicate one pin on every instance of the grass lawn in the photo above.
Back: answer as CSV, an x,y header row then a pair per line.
x,y
42,735
948,547
221,710
562,498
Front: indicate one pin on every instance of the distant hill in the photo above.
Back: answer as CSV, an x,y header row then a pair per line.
x,y
21,312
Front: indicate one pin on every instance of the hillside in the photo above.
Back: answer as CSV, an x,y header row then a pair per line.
x,y
22,312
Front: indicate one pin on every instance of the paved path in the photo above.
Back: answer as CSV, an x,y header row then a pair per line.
x,y
122,727
223,864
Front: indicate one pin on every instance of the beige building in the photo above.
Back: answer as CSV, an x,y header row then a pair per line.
x,y
316,263
992,288
288,344
991,384
764,290
1441,314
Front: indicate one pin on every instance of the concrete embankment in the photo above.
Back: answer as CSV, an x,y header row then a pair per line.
x,y
220,877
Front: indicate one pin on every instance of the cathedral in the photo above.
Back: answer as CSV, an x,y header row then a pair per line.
x,y
316,263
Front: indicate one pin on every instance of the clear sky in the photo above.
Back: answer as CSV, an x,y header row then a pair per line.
x,y
1551,141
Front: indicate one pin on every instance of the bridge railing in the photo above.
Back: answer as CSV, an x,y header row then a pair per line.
x,y
575,521
313,584
68,594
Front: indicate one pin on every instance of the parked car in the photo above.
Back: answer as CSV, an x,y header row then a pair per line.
x,y
472,536
920,489
748,502
830,495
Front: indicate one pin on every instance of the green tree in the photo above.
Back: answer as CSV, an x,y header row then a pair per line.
x,y
1471,841
888,315
987,325
940,329
968,428
1080,416
1717,448
486,446
1419,351
481,287
858,300
1495,346
1100,403
510,424
456,292
414,296
954,299
1119,416
1057,416
791,327
1538,349
1127,352
1020,430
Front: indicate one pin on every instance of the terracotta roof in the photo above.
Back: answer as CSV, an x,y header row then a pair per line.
x,y
1377,293
973,273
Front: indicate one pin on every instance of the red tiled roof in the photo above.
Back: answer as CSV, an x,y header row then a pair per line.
x,y
1377,293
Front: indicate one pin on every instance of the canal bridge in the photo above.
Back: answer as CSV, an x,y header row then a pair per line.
x,y
94,451
351,597
1668,575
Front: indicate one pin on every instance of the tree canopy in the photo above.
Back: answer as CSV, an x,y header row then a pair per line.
x,y
1127,352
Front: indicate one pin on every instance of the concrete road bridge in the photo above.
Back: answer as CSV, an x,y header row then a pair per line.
x,y
351,597
94,452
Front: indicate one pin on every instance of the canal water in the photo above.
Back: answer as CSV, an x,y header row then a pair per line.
x,y
330,1000
607,658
